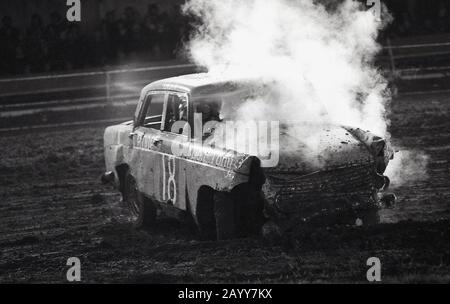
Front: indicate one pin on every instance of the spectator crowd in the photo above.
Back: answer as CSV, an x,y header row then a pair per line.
x,y
61,45
154,34
425,17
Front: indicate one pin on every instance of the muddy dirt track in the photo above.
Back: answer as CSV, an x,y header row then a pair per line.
x,y
53,207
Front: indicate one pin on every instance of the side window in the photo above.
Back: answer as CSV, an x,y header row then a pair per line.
x,y
152,113
176,111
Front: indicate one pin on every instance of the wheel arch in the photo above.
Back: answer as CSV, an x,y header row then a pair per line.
x,y
204,204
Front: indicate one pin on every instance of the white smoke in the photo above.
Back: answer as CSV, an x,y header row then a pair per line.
x,y
408,166
321,60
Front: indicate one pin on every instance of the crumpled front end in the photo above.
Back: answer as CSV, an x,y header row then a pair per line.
x,y
348,177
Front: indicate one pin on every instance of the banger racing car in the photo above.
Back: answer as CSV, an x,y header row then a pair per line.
x,y
230,193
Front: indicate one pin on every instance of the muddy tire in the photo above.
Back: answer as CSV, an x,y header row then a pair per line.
x,y
224,216
143,210
205,214
249,216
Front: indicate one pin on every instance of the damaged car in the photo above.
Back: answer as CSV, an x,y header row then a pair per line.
x,y
160,162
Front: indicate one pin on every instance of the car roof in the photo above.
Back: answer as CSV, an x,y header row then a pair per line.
x,y
199,84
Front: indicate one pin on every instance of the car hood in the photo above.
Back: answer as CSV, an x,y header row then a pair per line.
x,y
307,147
304,148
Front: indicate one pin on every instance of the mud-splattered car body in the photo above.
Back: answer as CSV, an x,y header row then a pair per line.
x,y
353,162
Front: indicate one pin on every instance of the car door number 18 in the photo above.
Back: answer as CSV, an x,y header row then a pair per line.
x,y
169,184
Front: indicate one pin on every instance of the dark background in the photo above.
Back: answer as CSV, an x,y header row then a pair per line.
x,y
35,36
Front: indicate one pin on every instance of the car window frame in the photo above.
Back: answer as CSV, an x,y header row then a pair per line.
x,y
166,101
146,103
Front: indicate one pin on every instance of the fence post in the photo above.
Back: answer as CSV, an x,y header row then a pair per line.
x,y
108,87
391,56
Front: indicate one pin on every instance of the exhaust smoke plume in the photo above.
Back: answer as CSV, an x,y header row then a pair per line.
x,y
321,60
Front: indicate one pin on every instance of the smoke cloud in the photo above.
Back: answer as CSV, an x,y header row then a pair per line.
x,y
408,166
320,59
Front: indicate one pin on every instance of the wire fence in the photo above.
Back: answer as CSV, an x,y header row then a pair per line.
x,y
85,87
403,63
405,55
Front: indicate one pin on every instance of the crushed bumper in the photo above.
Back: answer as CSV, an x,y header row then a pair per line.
x,y
353,188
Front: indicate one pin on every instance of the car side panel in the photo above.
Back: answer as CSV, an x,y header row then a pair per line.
x,y
144,160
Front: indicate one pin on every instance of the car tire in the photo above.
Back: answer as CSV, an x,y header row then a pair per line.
x,y
224,216
143,210
249,214
205,214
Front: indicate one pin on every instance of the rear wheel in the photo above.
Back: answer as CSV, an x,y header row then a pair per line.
x,y
205,213
249,213
142,210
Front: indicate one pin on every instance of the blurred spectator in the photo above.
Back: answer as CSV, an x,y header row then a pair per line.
x,y
149,30
443,17
428,26
19,60
153,30
131,31
156,34
163,33
10,40
404,26
55,35
110,36
35,45
99,53
75,47
175,29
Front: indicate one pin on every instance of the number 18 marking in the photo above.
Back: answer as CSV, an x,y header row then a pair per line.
x,y
169,183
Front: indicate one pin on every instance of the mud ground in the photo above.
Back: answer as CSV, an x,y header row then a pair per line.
x,y
52,207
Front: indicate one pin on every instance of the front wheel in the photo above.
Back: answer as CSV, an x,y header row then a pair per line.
x,y
224,216
143,210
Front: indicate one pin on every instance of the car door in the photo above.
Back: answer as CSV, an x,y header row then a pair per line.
x,y
147,145
173,177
